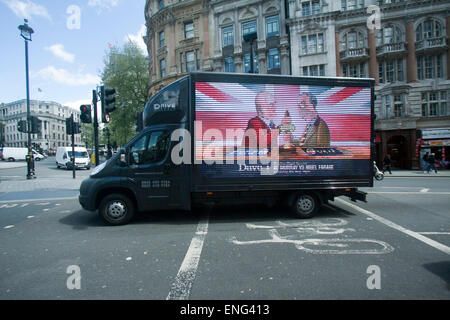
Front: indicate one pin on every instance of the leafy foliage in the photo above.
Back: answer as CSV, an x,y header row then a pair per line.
x,y
126,70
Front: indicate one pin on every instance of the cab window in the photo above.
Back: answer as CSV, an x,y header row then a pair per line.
x,y
150,148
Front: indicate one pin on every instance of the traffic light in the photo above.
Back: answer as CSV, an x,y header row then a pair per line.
x,y
36,125
85,115
22,126
107,100
69,126
76,128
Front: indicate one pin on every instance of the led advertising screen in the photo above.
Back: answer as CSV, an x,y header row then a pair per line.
x,y
250,130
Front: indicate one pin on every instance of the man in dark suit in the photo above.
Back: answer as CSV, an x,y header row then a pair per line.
x,y
263,122
316,132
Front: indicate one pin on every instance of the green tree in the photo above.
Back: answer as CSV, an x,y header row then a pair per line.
x,y
126,70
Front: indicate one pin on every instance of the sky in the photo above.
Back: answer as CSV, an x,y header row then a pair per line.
x,y
70,41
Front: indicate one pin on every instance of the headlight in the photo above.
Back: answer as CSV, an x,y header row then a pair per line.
x,y
97,169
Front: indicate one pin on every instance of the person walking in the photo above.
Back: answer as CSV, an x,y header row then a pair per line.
x,y
425,162
387,164
431,163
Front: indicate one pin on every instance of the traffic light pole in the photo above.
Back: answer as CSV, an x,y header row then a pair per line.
x,y
73,146
94,104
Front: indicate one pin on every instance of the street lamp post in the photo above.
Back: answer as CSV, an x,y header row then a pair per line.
x,y
25,32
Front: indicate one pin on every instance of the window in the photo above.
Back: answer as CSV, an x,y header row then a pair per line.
x,y
312,44
182,61
399,105
150,148
162,67
188,30
272,28
428,29
274,59
161,39
310,7
314,71
429,67
160,4
387,105
434,103
248,27
229,64
190,61
247,63
352,40
390,71
197,59
227,36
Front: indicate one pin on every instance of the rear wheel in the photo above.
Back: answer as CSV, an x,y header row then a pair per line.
x,y
11,159
305,205
116,209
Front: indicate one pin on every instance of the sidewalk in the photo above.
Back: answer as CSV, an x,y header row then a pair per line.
x,y
417,173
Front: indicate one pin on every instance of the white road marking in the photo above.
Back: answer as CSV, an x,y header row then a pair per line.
x,y
397,227
436,233
8,227
181,288
31,200
425,190
299,233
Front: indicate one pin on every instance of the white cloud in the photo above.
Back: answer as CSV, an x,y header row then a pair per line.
x,y
76,104
63,76
103,4
58,51
25,10
137,38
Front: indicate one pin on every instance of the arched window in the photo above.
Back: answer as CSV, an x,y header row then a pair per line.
x,y
428,29
352,40
389,34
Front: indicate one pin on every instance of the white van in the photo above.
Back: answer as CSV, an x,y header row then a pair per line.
x,y
13,154
63,155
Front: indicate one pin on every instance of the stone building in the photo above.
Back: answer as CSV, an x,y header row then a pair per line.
x,y
406,51
52,115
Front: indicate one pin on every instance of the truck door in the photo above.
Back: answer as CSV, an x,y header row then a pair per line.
x,y
160,184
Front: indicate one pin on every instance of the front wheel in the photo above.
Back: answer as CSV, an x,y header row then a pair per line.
x,y
305,205
116,209
379,176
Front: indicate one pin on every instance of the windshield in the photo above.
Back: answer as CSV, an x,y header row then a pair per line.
x,y
78,154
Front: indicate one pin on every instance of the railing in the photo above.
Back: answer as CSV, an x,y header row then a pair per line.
x,y
354,53
431,43
391,48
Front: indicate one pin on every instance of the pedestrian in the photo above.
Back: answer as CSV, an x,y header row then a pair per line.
x,y
431,163
387,164
425,162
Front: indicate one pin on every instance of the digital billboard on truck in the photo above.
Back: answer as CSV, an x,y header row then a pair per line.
x,y
242,129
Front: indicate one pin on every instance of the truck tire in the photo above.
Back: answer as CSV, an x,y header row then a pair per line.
x,y
305,205
11,159
116,209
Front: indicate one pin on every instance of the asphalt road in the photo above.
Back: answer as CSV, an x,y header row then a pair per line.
x,y
395,246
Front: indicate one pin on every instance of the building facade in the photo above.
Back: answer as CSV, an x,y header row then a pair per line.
x,y
403,45
51,114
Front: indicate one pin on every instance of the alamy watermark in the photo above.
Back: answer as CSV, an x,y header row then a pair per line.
x,y
74,280
73,21
374,280
374,21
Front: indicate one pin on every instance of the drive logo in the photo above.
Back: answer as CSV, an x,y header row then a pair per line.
x,y
164,107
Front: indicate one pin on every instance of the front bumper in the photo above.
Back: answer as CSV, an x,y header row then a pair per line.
x,y
86,198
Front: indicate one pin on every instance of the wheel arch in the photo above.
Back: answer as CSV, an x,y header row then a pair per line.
x,y
110,190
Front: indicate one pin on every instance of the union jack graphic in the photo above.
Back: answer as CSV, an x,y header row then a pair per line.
x,y
346,110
